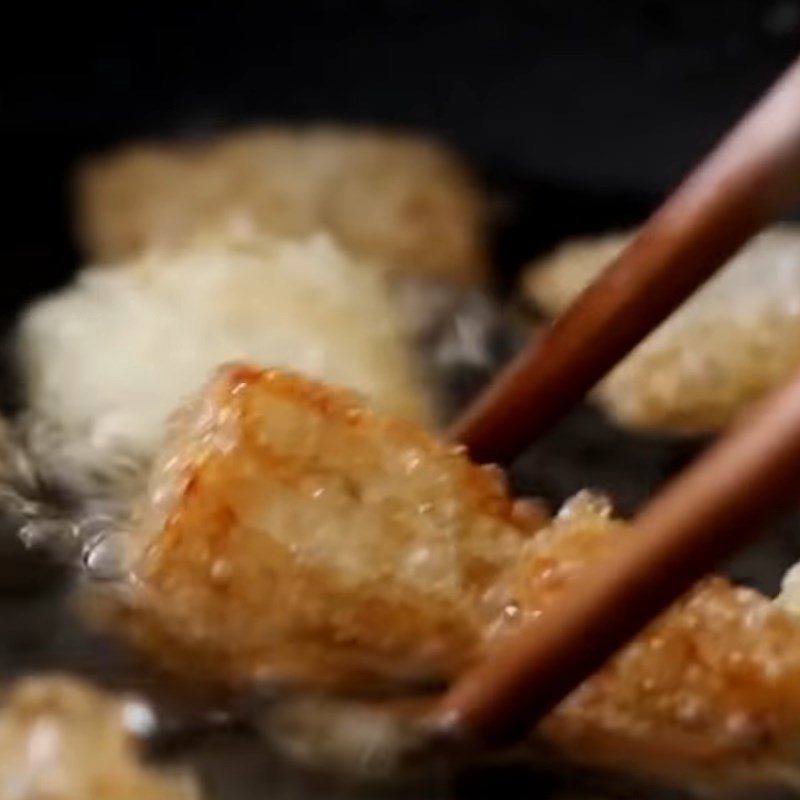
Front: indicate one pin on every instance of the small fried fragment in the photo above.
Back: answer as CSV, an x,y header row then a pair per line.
x,y
290,534
62,740
393,199
106,360
733,341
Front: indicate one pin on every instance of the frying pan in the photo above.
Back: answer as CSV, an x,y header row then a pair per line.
x,y
577,115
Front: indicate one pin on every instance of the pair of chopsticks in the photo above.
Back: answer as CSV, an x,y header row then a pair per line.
x,y
712,508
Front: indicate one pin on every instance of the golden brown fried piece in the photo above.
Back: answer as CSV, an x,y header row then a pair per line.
x,y
734,340
291,534
708,695
398,200
61,740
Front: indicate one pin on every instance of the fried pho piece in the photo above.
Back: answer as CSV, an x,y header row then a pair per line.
x,y
292,535
62,740
733,341
105,360
394,199
708,696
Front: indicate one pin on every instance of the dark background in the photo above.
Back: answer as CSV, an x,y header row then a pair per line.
x,y
580,112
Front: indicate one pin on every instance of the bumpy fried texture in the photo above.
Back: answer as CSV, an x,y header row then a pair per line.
x,y
61,740
290,534
737,338
106,360
394,199
707,695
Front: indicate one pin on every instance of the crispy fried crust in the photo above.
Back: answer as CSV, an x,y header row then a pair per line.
x,y
293,535
105,360
734,340
708,693
398,200
62,740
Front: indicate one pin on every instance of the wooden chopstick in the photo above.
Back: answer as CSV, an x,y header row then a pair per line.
x,y
751,177
706,513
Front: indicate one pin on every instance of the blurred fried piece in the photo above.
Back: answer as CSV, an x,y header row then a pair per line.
x,y
105,360
738,337
61,740
292,535
706,696
394,199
